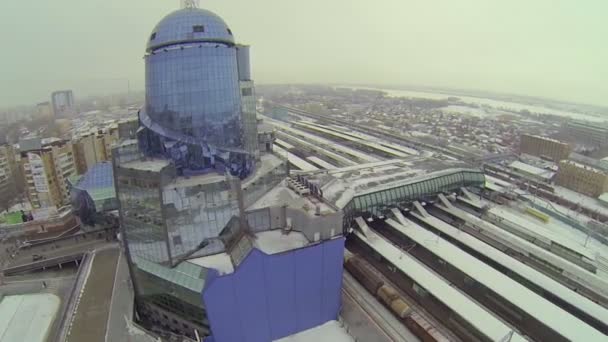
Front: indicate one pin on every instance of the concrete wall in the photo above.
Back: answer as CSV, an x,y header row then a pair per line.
x,y
314,227
272,296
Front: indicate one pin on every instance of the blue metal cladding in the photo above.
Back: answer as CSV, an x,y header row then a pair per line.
x,y
269,297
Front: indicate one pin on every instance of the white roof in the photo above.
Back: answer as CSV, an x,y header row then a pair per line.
x,y
533,170
528,301
527,248
220,262
27,317
359,140
283,144
295,160
473,313
323,142
527,272
331,331
275,241
322,163
371,138
321,149
530,228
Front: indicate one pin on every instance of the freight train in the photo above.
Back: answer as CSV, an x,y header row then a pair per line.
x,y
387,295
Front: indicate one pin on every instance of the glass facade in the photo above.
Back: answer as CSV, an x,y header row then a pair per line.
x,y
193,105
175,182
376,202
141,213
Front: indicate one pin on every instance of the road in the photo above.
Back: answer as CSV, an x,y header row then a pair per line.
x,y
119,327
92,311
25,255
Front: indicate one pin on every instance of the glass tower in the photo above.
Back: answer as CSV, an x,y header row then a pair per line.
x,y
193,112
176,178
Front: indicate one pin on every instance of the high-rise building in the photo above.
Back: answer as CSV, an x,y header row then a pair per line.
x,y
581,178
47,169
93,148
86,152
186,186
44,110
544,147
63,103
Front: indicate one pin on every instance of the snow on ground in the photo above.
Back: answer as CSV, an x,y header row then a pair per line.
x,y
478,112
583,200
496,104
331,331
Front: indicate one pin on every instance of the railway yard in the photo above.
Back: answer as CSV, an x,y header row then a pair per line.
x,y
439,250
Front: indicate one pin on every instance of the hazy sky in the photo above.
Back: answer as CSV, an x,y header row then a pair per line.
x,y
552,48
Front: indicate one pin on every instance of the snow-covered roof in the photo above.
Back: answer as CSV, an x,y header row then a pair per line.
x,y
533,170
341,185
519,295
543,281
476,315
220,262
528,248
277,241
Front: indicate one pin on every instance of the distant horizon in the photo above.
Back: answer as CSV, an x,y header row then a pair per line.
x,y
412,87
539,49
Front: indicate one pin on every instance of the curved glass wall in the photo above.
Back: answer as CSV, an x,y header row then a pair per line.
x,y
194,90
375,202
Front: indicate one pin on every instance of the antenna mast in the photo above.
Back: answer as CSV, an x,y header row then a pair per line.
x,y
189,3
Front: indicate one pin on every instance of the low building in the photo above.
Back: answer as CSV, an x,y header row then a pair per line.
x,y
532,172
581,178
588,133
94,192
550,149
47,170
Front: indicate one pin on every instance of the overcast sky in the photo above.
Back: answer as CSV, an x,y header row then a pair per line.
x,y
551,48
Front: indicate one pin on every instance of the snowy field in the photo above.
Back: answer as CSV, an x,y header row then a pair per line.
x,y
496,104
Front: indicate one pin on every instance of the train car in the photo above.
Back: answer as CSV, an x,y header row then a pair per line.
x,y
365,274
423,329
371,279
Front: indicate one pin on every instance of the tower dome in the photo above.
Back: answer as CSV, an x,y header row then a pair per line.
x,y
189,25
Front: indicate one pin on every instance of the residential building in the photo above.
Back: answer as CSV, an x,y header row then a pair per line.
x,y
93,148
47,170
547,148
63,103
581,178
127,129
44,110
9,172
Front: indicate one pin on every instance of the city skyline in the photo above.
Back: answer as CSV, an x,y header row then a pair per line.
x,y
538,49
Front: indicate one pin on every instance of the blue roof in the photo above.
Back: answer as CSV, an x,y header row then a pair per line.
x,y
99,176
189,25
